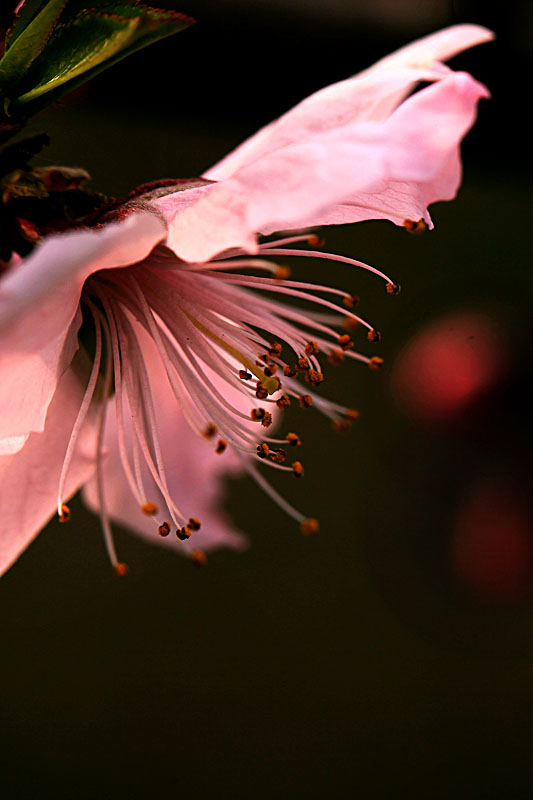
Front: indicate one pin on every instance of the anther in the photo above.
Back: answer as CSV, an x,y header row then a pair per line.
x,y
314,377
316,241
257,414
297,469
221,446
164,529
352,414
302,365
275,349
209,431
282,273
263,450
309,526
278,456
271,370
393,288
199,558
341,425
284,401
244,375
336,357
194,524
65,513
266,422
350,324
373,336
289,372
350,300
305,400
375,363
293,439
311,348
121,569
183,533
260,392
414,227
149,509
345,342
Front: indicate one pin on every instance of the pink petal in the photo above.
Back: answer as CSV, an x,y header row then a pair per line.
x,y
39,312
370,95
30,478
194,471
426,166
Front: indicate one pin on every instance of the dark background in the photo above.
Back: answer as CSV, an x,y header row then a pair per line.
x,y
355,662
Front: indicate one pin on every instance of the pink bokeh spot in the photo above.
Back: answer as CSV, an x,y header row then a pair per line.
x,y
447,365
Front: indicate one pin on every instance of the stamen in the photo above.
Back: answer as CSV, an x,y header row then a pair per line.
x,y
393,288
194,524
183,534
305,400
309,526
199,558
375,362
414,227
210,432
221,446
82,413
164,529
64,513
284,401
294,440
374,336
150,509
263,450
297,469
121,569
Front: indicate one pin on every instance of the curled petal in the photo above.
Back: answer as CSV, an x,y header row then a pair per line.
x,y
371,95
40,317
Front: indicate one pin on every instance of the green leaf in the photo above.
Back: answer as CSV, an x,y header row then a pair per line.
x,y
29,43
89,44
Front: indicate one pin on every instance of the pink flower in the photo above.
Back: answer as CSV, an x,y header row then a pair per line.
x,y
177,339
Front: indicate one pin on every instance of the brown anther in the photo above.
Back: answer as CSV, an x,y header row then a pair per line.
x,y
278,456
271,370
194,524
414,227
352,414
309,526
350,300
341,425
244,375
311,348
314,377
336,357
260,392
164,529
257,414
302,365
183,533
121,569
305,400
289,372
266,422
374,336
350,324
275,349
221,446
293,439
199,558
284,401
282,273
149,509
210,431
375,363
297,469
393,288
65,513
345,342
316,241
263,450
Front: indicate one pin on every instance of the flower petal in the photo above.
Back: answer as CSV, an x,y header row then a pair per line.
x,y
30,478
370,95
39,312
